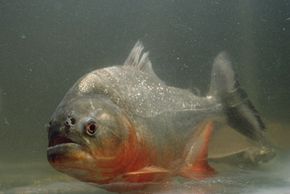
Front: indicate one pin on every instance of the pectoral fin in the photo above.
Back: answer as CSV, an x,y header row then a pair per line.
x,y
147,174
196,165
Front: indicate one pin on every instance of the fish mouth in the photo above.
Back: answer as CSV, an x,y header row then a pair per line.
x,y
59,140
77,160
62,148
59,147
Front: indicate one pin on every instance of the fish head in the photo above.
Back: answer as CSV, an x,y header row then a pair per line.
x,y
89,139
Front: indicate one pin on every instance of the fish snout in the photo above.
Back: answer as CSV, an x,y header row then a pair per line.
x,y
53,129
57,134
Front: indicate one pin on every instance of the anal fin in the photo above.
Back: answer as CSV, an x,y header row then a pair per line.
x,y
196,165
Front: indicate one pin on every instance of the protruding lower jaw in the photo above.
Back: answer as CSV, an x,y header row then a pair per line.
x,y
61,149
70,158
79,161
64,154
73,160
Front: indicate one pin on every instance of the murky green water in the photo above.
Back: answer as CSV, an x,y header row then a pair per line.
x,y
46,45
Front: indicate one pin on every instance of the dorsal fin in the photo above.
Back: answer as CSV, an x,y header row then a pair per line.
x,y
140,61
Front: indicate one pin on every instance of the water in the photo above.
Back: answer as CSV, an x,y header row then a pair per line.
x,y
46,45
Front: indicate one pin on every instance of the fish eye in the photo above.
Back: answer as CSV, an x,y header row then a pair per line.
x,y
91,128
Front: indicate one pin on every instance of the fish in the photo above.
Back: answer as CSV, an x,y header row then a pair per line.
x,y
122,128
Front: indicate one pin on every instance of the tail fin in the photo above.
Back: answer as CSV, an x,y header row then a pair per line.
x,y
240,112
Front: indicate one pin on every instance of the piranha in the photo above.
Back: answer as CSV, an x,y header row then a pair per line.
x,y
120,127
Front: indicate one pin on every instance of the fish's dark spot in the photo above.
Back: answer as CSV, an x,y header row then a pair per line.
x,y
66,124
73,121
70,121
48,127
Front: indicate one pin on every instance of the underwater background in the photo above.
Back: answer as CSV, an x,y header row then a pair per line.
x,y
45,46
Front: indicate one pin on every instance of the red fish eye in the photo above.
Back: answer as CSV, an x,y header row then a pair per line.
x,y
91,129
